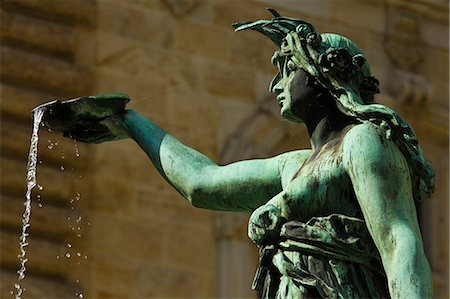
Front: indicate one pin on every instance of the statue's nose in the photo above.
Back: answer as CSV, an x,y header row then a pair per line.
x,y
278,87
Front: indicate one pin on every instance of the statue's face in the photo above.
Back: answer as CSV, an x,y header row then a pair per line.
x,y
293,91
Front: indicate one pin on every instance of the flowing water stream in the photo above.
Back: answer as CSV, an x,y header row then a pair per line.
x,y
31,183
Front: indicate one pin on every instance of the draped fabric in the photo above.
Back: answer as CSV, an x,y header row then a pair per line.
x,y
326,257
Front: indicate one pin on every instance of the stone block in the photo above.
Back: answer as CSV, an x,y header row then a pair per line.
x,y
204,40
230,81
262,81
38,34
133,58
126,163
72,11
116,238
234,114
45,73
203,12
185,71
147,93
189,249
168,208
196,115
18,102
13,173
52,149
435,69
86,46
42,254
154,28
112,277
252,50
158,281
316,8
435,34
49,220
147,4
227,12
114,197
360,14
37,287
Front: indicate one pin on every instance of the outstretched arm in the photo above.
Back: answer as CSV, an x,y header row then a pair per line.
x,y
240,186
382,185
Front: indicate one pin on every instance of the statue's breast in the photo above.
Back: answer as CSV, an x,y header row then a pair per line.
x,y
321,187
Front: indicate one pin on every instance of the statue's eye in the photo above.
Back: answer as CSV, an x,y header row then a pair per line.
x,y
291,66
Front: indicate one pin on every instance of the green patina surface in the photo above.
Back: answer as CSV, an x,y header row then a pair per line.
x,y
334,221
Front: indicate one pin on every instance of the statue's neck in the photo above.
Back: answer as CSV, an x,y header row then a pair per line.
x,y
325,123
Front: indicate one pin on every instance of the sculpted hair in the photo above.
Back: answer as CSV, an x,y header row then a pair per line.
x,y
339,66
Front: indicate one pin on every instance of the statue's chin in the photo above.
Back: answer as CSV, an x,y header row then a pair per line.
x,y
287,114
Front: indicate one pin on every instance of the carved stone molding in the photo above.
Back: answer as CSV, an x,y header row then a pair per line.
x,y
255,136
411,89
181,8
403,43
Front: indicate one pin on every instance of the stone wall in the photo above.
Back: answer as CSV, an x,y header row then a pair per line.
x,y
184,68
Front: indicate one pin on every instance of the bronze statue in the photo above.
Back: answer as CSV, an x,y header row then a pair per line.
x,y
334,221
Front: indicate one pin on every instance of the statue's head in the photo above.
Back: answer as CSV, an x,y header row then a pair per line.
x,y
333,64
326,61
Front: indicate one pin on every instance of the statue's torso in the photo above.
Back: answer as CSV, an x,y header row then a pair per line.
x,y
324,250
319,185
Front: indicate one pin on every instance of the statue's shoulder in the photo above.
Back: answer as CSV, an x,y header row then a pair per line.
x,y
290,162
367,142
366,131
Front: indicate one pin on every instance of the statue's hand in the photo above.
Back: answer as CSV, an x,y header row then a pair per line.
x,y
97,131
264,224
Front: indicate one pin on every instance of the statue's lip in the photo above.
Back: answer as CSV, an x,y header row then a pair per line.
x,y
108,96
63,115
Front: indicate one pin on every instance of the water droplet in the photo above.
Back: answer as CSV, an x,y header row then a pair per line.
x,y
40,187
68,218
77,281
79,219
77,153
78,253
68,255
69,245
85,257
80,295
62,168
79,235
40,161
57,257
38,197
40,205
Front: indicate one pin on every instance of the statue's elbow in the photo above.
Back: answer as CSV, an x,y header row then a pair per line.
x,y
196,195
